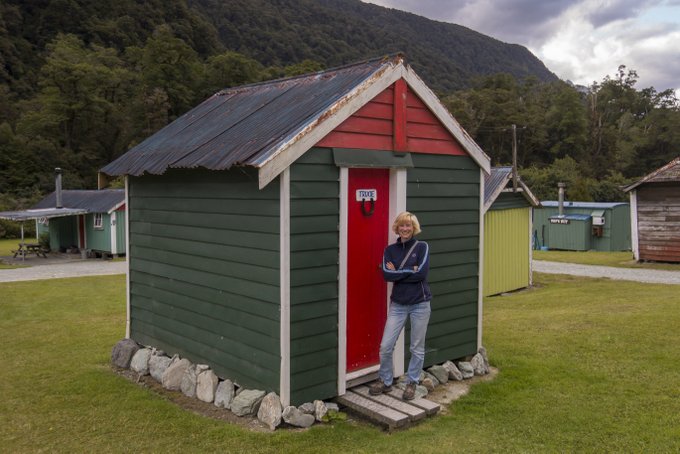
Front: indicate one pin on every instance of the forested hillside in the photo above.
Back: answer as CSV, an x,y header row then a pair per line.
x,y
81,81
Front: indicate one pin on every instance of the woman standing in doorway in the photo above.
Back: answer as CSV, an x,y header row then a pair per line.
x,y
406,264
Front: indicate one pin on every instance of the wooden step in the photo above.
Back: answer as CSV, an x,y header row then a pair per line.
x,y
430,407
373,410
387,409
414,413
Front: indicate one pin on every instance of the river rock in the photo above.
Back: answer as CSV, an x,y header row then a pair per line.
x,y
440,373
247,402
157,365
291,415
172,377
478,365
206,385
140,361
224,394
307,408
270,411
320,410
122,353
189,380
454,373
466,369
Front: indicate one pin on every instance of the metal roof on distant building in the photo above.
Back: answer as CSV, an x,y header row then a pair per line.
x,y
46,213
270,124
497,180
668,173
92,201
589,205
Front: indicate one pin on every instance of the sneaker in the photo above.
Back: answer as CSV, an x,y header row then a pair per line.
x,y
379,387
409,392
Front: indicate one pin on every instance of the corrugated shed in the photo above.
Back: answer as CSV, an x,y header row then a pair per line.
x,y
94,201
244,125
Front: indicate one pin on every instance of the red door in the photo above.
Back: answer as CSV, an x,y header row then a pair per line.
x,y
366,289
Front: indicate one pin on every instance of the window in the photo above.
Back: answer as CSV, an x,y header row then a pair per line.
x,y
98,222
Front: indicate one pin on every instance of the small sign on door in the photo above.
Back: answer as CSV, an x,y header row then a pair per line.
x,y
367,194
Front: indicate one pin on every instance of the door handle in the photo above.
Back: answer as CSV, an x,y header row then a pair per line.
x,y
363,207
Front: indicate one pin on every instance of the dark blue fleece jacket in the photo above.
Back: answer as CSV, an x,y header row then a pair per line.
x,y
410,282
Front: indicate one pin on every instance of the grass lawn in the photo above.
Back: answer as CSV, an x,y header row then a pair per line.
x,y
6,248
585,366
617,259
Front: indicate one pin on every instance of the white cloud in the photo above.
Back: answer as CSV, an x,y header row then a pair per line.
x,y
583,40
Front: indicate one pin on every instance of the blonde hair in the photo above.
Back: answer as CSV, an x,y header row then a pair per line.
x,y
404,217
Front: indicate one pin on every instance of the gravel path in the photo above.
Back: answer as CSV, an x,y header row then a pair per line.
x,y
61,270
102,267
626,274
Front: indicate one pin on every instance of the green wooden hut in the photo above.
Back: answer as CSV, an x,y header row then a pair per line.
x,y
257,222
508,207
583,226
100,227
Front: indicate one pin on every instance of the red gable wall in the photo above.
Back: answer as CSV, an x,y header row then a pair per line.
x,y
401,124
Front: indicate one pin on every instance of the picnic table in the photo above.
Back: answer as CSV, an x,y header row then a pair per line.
x,y
25,249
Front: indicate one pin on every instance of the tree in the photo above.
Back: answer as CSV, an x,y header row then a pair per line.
x,y
169,64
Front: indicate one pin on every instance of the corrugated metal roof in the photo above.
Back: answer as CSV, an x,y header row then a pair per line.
x,y
668,173
498,177
47,213
244,125
591,205
93,201
497,180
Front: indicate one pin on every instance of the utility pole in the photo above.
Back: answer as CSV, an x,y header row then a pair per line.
x,y
514,158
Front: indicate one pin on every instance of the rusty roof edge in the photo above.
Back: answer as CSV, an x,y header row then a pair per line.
x,y
443,114
651,175
241,88
328,119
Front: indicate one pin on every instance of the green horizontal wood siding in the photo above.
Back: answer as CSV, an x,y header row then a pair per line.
x,y
204,271
314,243
98,238
443,191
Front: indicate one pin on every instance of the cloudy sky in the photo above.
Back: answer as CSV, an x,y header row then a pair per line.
x,y
579,40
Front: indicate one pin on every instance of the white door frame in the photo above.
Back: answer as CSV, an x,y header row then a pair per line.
x,y
397,205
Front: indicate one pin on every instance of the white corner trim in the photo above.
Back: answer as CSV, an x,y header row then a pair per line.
x,y
480,295
634,234
127,256
531,246
284,286
398,181
113,225
435,105
296,146
342,283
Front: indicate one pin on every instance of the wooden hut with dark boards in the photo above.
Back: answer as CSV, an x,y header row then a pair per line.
x,y
257,222
655,214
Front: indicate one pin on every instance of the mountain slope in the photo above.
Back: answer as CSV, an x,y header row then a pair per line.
x,y
336,32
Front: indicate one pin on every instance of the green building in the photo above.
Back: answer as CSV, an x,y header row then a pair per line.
x,y
507,232
257,222
99,228
583,226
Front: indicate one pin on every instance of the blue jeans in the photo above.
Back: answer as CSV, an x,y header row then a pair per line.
x,y
396,319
